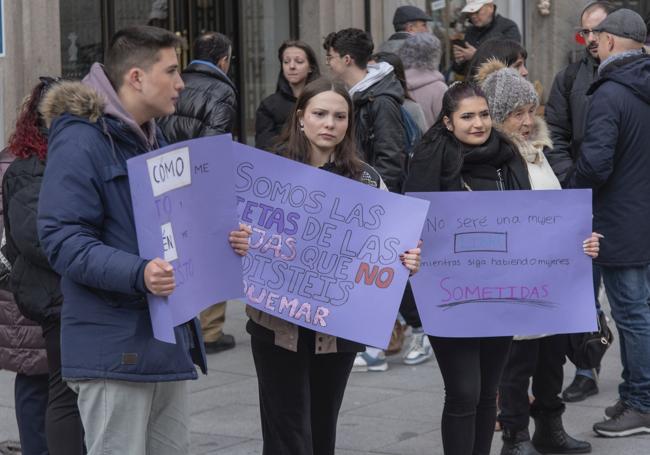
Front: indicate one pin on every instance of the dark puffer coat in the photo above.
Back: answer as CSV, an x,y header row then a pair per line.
x,y
500,28
566,113
35,285
614,160
22,348
380,129
272,114
207,105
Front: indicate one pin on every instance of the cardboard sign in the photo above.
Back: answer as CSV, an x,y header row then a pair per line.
x,y
325,251
500,263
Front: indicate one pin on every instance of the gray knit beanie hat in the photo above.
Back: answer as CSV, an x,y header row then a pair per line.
x,y
505,89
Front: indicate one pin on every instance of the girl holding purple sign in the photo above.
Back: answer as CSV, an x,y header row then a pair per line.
x,y
302,374
463,152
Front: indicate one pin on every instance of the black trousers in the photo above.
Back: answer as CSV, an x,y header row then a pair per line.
x,y
408,309
471,369
542,359
300,396
63,427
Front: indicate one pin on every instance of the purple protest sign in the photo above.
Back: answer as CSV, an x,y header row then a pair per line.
x,y
184,207
325,249
497,263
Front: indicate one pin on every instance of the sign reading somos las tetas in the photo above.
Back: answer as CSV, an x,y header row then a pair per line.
x,y
325,249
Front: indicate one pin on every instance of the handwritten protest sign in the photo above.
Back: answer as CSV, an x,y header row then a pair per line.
x,y
184,207
506,263
325,249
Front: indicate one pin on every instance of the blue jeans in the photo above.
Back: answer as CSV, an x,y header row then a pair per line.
x,y
31,403
628,290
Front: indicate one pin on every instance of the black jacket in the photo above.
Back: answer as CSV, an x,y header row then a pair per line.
x,y
438,164
566,113
380,129
206,107
34,284
272,114
500,28
614,160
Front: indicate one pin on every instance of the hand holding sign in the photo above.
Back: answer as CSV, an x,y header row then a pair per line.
x,y
159,277
240,240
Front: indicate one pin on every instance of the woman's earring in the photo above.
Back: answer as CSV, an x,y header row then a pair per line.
x,y
302,126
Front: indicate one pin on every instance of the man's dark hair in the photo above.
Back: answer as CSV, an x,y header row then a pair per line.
x,y
607,7
353,42
212,46
136,46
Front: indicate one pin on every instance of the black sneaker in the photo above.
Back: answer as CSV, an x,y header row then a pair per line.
x,y
616,409
223,343
580,389
626,423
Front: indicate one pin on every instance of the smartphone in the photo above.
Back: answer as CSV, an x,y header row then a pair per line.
x,y
459,42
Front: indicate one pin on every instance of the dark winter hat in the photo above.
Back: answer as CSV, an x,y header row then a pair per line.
x,y
624,23
409,13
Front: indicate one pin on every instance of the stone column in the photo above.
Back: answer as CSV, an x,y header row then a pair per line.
x,y
32,49
550,39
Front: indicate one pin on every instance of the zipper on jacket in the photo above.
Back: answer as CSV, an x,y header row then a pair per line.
x,y
500,185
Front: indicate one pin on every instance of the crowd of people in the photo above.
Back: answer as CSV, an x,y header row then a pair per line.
x,y
75,326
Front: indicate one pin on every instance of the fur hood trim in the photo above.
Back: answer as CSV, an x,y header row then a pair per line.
x,y
490,66
74,98
532,149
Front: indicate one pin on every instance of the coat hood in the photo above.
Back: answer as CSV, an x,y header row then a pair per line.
x,y
532,149
90,99
417,78
73,98
633,72
380,81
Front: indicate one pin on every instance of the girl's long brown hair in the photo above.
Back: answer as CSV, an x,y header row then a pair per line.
x,y
293,143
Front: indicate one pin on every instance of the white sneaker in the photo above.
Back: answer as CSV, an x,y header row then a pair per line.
x,y
366,362
419,349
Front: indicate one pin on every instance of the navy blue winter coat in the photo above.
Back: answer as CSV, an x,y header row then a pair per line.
x,y
615,161
87,230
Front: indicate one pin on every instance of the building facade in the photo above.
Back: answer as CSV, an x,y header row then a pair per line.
x,y
64,37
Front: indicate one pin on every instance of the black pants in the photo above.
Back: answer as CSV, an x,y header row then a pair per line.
x,y
408,309
300,396
65,434
471,369
30,398
542,359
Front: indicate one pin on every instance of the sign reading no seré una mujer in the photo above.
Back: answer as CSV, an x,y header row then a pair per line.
x,y
500,263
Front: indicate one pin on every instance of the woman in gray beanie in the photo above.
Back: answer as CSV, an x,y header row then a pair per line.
x,y
462,151
420,55
513,102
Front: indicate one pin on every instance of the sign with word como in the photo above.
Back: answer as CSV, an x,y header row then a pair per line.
x,y
325,250
184,207
501,263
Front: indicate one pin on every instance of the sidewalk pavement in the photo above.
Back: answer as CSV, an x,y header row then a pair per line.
x,y
396,412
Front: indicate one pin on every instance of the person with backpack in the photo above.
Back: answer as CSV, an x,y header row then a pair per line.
x,y
377,96
566,114
419,349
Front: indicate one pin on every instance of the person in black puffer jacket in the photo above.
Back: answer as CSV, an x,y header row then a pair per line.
x,y
206,107
299,67
208,104
34,284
